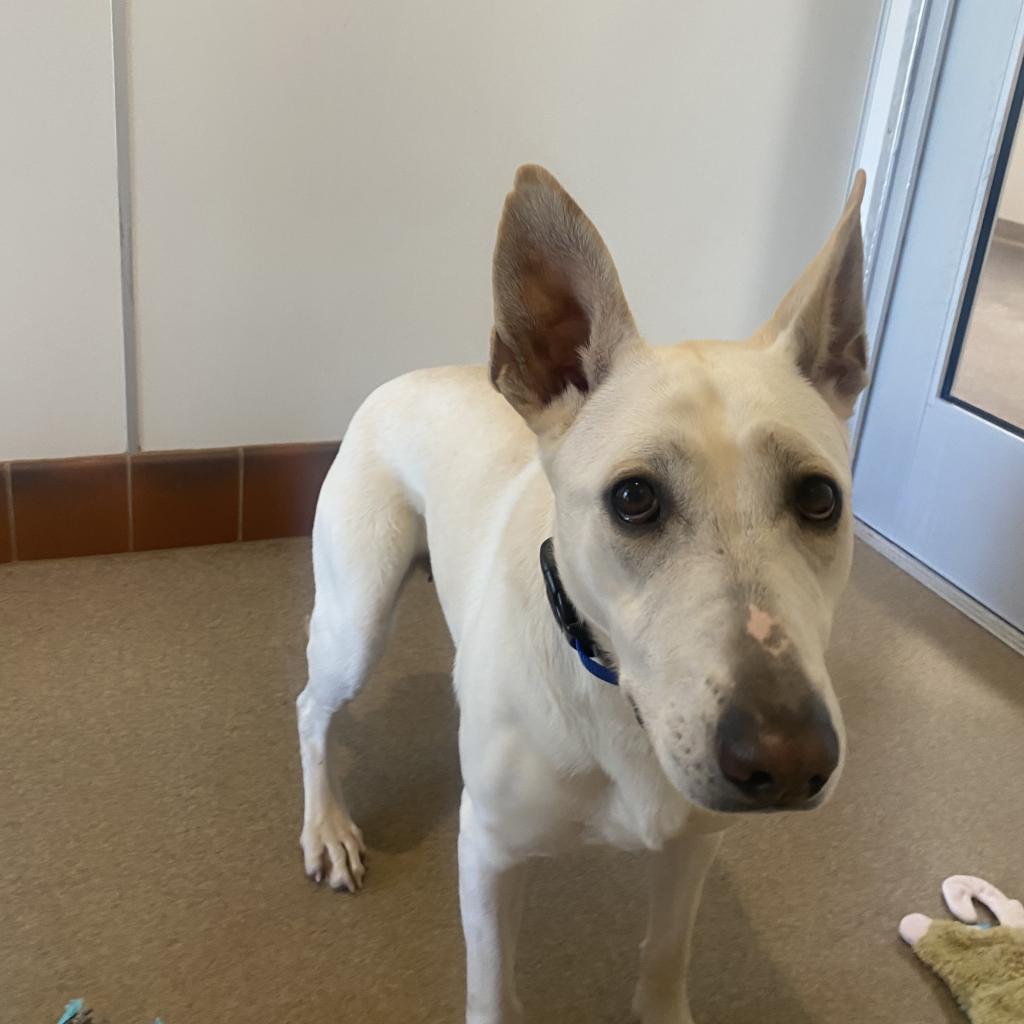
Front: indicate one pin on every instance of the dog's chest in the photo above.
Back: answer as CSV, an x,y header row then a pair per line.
x,y
635,810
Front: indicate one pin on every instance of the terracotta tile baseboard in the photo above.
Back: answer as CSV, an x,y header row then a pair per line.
x,y
57,508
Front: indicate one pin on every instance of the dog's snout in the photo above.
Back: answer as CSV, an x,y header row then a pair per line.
x,y
778,757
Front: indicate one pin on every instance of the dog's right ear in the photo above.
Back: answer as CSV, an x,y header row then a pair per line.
x,y
560,318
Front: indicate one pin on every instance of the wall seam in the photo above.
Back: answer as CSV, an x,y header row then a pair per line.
x,y
123,140
131,502
9,509
241,489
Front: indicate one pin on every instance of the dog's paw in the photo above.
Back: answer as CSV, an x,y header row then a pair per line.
x,y
332,845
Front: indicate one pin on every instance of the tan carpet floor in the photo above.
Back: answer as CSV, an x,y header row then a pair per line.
x,y
150,810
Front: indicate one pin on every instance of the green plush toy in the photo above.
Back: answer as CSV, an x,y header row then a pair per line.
x,y
983,965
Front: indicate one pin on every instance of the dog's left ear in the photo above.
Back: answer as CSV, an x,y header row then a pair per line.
x,y
821,319
560,318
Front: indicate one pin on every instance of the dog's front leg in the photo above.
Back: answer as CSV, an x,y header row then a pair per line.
x,y
677,875
491,889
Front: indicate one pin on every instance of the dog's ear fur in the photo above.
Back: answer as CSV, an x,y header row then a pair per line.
x,y
821,319
560,317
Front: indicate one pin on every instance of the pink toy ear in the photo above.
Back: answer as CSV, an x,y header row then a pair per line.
x,y
914,927
960,892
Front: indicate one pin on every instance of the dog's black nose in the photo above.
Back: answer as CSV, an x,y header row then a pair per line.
x,y
778,757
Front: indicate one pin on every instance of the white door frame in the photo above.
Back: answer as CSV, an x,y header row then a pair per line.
x,y
909,49
908,58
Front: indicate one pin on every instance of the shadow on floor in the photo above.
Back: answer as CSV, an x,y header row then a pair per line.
x,y
396,751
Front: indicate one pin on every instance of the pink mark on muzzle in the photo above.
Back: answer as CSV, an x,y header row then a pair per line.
x,y
767,631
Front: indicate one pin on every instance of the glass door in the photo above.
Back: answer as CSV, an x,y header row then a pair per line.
x,y
940,465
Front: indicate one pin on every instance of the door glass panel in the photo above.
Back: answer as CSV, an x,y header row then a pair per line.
x,y
986,371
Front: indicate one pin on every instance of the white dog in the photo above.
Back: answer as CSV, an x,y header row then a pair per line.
x,y
697,498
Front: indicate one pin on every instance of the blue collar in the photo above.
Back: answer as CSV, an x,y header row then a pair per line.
x,y
576,631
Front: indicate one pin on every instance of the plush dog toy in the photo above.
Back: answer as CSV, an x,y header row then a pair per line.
x,y
982,964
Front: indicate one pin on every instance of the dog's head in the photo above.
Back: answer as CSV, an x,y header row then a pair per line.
x,y
702,495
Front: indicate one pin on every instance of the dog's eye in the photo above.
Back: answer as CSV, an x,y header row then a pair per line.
x,y
635,501
818,499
